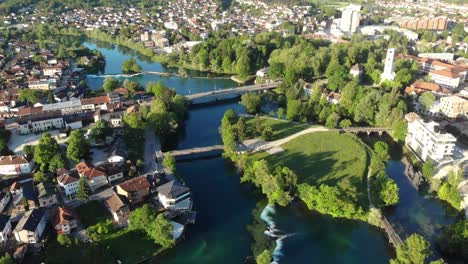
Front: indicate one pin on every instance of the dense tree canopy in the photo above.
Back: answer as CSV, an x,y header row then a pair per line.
x,y
415,250
78,146
45,151
131,66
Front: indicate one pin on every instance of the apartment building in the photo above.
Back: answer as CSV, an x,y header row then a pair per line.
x,y
453,106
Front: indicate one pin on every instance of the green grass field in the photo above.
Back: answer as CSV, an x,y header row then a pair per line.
x,y
281,128
324,157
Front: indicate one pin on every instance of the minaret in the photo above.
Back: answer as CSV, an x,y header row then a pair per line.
x,y
388,73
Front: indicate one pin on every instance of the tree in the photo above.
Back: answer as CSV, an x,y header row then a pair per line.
x,y
30,96
243,65
6,259
156,227
252,102
131,86
414,250
131,66
332,120
169,162
241,128
264,257
280,113
389,193
40,176
61,54
78,146
293,110
345,123
382,150
28,150
83,191
267,132
428,170
57,162
45,151
161,231
110,84
453,240
101,129
426,100
64,240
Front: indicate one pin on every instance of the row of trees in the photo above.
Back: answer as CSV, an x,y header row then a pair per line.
x,y
384,190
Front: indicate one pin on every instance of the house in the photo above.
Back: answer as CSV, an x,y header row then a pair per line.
x,y
118,153
5,228
136,190
21,192
5,198
31,226
118,207
333,98
68,183
46,194
39,85
356,70
174,196
15,165
419,87
95,103
63,220
428,141
95,177
52,71
262,73
114,172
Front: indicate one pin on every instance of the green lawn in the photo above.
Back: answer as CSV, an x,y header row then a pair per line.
x,y
91,213
281,128
129,246
324,157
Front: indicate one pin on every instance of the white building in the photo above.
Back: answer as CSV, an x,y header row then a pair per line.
x,y
453,106
5,198
15,165
388,73
52,71
174,196
428,141
446,78
5,228
438,56
350,18
42,124
69,184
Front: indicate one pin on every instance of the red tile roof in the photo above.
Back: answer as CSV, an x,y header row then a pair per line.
x,y
95,100
135,184
66,179
62,215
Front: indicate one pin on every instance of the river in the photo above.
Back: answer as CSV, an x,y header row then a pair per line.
x,y
224,206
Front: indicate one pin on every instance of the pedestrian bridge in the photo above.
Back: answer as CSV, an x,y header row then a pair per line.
x,y
198,152
224,94
368,130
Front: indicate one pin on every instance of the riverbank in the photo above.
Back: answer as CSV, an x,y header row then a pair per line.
x,y
147,52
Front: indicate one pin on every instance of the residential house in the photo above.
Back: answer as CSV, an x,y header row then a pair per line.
x,y
118,207
39,85
15,165
23,195
52,71
5,228
68,183
333,98
419,87
356,71
428,141
136,190
174,196
114,172
95,177
5,198
95,103
63,220
46,194
118,153
31,226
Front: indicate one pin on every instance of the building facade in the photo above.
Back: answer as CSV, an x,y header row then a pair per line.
x,y
453,106
15,165
428,141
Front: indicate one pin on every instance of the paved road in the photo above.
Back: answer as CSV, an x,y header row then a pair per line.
x,y
279,142
152,151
